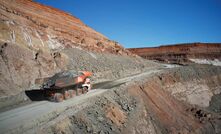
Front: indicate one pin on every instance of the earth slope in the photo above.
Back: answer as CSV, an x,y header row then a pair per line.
x,y
44,28
132,95
38,41
207,53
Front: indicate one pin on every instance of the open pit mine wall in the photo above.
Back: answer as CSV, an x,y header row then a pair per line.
x,y
38,41
175,101
180,53
40,27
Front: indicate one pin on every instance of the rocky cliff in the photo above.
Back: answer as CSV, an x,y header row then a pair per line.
x,y
41,27
182,53
37,41
130,94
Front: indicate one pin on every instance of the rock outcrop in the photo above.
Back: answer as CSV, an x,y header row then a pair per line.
x,y
38,41
182,53
40,27
146,106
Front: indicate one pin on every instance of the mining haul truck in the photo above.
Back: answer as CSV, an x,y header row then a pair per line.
x,y
65,85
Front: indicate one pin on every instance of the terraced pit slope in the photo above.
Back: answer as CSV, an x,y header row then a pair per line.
x,y
202,53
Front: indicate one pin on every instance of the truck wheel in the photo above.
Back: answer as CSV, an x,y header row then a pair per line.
x,y
85,89
58,97
72,93
66,95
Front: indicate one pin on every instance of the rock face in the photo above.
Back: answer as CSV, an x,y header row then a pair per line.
x,y
152,105
37,41
182,53
40,27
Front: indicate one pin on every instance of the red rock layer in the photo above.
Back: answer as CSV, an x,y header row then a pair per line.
x,y
66,29
181,52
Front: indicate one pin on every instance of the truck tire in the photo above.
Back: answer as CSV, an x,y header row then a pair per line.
x,y
66,95
58,97
85,89
72,93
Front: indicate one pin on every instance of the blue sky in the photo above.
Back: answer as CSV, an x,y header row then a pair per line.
x,y
148,23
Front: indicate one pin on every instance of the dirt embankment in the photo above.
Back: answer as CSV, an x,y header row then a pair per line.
x,y
38,41
20,67
182,53
145,105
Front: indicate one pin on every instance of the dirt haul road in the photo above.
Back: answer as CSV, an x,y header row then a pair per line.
x,y
28,117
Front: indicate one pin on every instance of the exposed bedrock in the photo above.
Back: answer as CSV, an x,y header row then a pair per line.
x,y
147,106
204,53
40,27
38,41
21,66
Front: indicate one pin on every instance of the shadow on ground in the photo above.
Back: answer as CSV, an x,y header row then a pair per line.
x,y
36,95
